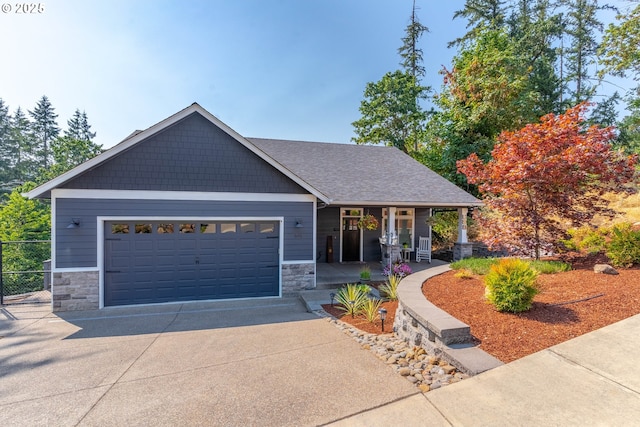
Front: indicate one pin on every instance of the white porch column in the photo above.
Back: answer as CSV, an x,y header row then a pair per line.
x,y
462,225
391,221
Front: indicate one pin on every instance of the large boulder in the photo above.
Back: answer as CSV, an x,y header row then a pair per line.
x,y
605,269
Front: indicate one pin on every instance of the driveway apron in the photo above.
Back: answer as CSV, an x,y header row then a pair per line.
x,y
263,362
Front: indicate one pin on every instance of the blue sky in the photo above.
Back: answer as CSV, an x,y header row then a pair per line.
x,y
290,69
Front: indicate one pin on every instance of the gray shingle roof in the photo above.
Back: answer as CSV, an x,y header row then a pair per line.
x,y
365,174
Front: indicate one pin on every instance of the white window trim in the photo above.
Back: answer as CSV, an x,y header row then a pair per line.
x,y
385,215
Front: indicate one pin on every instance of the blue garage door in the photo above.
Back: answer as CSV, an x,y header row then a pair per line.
x,y
153,262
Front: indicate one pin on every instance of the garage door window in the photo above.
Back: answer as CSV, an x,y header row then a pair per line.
x,y
227,228
187,228
143,228
248,227
164,229
208,228
119,228
267,227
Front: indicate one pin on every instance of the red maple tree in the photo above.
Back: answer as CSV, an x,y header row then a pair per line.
x,y
545,178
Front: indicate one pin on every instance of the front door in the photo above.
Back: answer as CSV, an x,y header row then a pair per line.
x,y
350,239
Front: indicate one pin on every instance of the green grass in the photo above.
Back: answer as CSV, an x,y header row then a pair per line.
x,y
481,266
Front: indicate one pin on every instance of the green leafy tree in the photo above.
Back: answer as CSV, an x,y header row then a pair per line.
x,y
390,113
45,129
620,48
486,91
68,153
24,219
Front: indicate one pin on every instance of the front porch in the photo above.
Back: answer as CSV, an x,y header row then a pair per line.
x,y
333,275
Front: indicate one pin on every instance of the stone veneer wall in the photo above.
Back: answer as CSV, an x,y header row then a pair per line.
x,y
75,290
298,277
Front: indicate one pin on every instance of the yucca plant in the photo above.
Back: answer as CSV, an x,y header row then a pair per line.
x,y
352,297
370,309
390,289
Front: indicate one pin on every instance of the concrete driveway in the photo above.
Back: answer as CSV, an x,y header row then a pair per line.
x,y
241,363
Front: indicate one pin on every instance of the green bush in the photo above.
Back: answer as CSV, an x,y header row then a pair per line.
x,y
624,248
511,285
390,289
352,292
587,239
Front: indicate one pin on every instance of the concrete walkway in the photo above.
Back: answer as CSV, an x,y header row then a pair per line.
x,y
592,380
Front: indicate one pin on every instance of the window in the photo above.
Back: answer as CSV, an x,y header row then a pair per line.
x,y
227,228
143,228
164,228
267,227
187,228
404,225
119,228
208,228
247,227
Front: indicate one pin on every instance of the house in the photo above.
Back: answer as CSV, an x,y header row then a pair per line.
x,y
191,210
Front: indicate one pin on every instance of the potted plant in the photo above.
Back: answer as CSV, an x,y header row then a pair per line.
x,y
368,222
365,273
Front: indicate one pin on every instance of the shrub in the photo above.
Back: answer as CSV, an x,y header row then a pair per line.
x,y
587,239
390,289
624,248
511,285
352,292
464,273
370,309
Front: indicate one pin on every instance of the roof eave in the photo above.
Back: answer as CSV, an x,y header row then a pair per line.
x,y
477,203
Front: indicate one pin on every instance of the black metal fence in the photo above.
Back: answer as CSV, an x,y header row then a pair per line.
x,y
22,268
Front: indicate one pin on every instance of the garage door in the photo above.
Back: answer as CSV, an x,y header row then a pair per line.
x,y
153,262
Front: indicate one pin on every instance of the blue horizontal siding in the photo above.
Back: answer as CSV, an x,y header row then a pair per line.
x,y
76,247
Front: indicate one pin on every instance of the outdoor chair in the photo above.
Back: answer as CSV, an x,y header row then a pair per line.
x,y
424,250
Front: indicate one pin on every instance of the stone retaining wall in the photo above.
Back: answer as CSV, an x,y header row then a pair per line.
x,y
418,322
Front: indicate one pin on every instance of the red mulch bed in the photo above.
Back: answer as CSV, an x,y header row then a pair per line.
x,y
569,304
563,309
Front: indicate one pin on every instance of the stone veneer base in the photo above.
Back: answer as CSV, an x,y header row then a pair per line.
x,y
80,290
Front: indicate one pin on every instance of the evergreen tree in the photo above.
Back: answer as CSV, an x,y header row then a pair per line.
x,y
391,110
6,150
581,25
45,129
78,127
26,162
536,29
410,53
480,15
